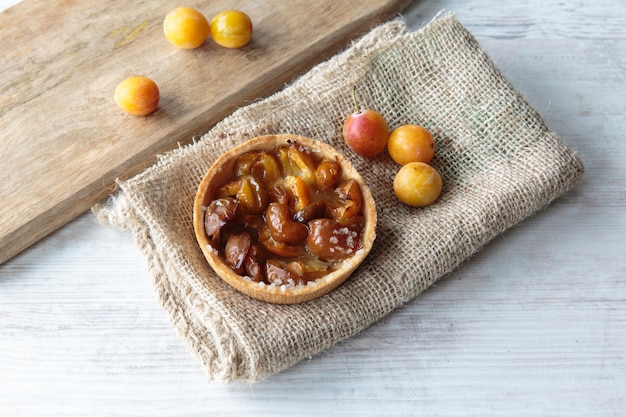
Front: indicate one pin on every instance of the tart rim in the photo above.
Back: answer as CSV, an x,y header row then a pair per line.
x,y
221,171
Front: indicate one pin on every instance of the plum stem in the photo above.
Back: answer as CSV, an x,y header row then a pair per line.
x,y
356,106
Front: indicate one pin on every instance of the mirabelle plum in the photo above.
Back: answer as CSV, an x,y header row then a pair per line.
x,y
417,184
186,27
365,131
137,95
411,143
231,29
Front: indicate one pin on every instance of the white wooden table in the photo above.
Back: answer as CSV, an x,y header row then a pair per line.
x,y
534,325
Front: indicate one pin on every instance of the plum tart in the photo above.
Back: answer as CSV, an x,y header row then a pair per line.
x,y
284,218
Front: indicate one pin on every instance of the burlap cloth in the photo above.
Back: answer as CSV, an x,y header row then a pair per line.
x,y
499,162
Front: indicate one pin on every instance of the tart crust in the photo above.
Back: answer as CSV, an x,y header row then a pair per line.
x,y
222,170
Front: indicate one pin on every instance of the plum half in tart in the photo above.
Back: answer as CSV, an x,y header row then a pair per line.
x,y
284,218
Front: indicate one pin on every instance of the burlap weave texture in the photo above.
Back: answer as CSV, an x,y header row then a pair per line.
x,y
499,161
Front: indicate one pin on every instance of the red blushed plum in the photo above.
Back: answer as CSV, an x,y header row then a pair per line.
x,y
365,131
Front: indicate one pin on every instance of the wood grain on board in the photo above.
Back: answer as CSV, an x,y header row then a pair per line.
x,y
63,141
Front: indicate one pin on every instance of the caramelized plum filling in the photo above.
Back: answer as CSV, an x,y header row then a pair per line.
x,y
285,217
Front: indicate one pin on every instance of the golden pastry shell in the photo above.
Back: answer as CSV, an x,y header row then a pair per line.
x,y
222,170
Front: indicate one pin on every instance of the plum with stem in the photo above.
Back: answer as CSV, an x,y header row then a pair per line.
x,y
365,131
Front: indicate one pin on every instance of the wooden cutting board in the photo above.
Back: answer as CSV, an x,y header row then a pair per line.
x,y
64,142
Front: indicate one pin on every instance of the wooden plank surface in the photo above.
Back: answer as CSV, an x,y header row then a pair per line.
x,y
64,141
533,326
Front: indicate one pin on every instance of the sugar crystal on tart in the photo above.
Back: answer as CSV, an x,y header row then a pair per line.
x,y
284,218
